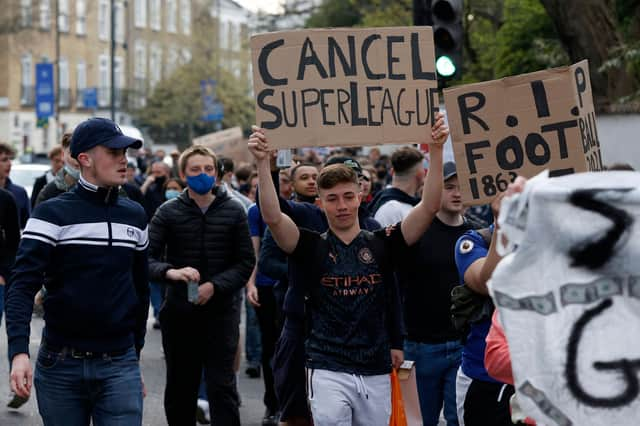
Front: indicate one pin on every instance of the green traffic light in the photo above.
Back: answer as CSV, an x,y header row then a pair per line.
x,y
445,66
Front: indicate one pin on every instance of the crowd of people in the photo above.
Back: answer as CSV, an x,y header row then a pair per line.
x,y
346,266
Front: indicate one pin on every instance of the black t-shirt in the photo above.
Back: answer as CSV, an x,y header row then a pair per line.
x,y
427,275
354,300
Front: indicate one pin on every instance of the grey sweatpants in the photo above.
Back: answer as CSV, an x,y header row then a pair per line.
x,y
342,399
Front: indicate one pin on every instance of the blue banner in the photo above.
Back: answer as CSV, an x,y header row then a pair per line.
x,y
45,96
90,97
212,109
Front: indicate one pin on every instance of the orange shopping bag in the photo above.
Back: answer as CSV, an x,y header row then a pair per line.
x,y
398,417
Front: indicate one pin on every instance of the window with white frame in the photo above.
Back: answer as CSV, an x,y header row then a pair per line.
x,y
81,17
103,80
120,26
172,60
63,75
140,64
224,34
185,16
141,13
63,15
103,20
236,67
118,72
25,13
81,82
45,14
233,36
63,67
155,64
118,79
155,14
172,16
26,77
186,55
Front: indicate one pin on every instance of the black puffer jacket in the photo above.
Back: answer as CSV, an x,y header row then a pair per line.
x,y
216,243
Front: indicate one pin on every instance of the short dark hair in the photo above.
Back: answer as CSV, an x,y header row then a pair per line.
x,y
292,174
621,166
226,165
176,180
5,148
244,172
66,140
404,159
335,174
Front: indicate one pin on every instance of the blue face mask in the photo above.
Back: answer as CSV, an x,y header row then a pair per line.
x,y
201,183
170,194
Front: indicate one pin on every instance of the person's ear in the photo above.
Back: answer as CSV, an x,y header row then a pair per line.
x,y
85,159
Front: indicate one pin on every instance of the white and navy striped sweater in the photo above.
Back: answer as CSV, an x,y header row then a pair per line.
x,y
89,248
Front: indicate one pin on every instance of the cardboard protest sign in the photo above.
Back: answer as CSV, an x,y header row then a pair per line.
x,y
568,298
345,87
522,125
226,143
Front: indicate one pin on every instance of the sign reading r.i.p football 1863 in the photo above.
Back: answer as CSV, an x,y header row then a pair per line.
x,y
522,125
345,86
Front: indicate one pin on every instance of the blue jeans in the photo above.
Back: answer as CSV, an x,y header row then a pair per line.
x,y
252,346
1,302
73,391
156,297
202,390
436,369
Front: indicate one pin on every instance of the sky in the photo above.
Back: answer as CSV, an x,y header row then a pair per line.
x,y
269,6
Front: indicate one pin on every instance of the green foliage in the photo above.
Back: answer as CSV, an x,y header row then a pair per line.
x,y
172,113
335,13
527,41
381,13
626,56
361,13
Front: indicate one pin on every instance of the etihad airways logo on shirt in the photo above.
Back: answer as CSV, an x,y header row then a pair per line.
x,y
351,285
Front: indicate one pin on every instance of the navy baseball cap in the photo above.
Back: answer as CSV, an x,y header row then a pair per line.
x,y
100,131
347,161
449,170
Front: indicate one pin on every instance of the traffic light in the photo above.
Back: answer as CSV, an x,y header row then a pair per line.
x,y
446,16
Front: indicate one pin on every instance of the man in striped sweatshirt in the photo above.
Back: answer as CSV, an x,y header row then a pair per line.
x,y
89,247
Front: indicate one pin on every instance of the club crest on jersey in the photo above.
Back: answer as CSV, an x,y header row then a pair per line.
x,y
466,246
365,256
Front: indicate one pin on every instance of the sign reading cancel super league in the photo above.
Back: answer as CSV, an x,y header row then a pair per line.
x,y
345,86
522,125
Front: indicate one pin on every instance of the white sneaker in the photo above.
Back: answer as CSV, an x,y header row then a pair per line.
x,y
202,412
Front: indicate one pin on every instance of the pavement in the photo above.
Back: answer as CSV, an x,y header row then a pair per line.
x,y
153,369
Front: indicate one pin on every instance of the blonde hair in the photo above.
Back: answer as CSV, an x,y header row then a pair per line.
x,y
196,150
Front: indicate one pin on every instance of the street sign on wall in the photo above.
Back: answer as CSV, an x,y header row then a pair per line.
x,y
45,96
212,109
90,97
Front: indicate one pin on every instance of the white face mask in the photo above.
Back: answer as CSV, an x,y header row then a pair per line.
x,y
74,173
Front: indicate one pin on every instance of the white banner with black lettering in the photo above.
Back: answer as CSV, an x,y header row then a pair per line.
x,y
569,297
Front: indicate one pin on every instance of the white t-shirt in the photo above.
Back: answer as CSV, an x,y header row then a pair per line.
x,y
392,212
